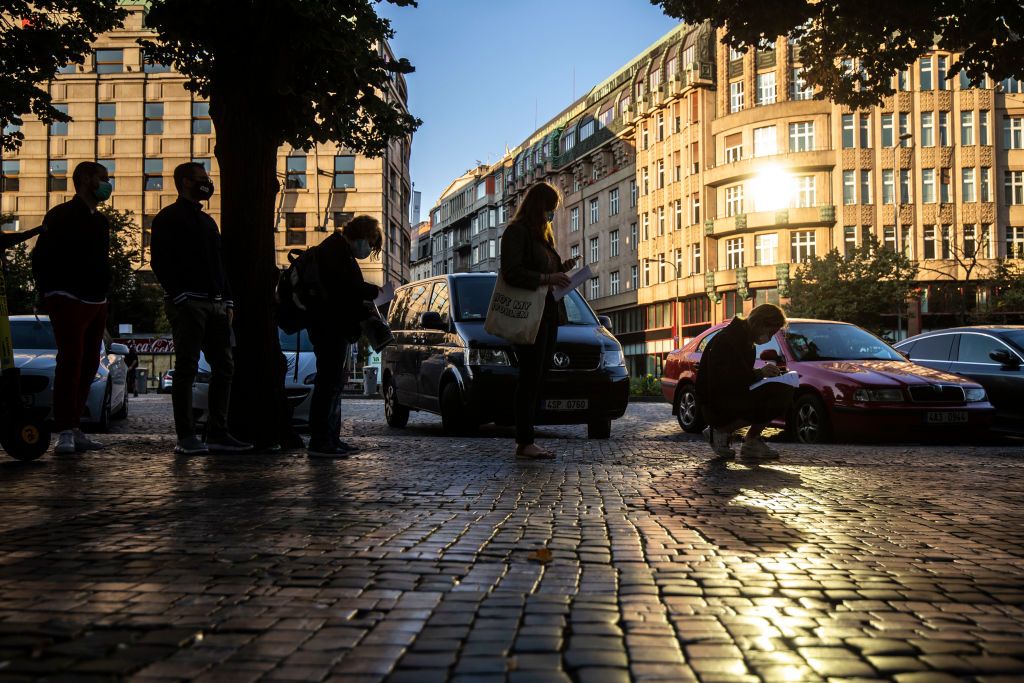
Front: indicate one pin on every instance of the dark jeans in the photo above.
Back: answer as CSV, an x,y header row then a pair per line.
x,y
78,329
756,407
534,360
201,326
332,355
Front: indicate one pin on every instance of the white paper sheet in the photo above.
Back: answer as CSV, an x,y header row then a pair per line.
x,y
387,293
577,279
790,378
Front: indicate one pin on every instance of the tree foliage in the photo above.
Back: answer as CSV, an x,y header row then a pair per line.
x,y
1008,286
883,36
38,37
859,288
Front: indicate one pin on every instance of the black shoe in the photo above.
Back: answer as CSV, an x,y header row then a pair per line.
x,y
225,443
338,452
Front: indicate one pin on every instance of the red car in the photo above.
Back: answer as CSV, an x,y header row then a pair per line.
x,y
852,384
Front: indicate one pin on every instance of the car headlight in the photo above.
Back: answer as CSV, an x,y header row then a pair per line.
x,y
878,395
486,357
309,379
613,359
975,394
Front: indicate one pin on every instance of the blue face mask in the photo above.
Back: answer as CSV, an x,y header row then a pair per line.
x,y
103,190
361,248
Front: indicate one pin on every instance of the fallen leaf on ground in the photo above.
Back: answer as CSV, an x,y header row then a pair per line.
x,y
542,555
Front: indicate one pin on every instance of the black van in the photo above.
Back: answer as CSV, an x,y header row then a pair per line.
x,y
444,362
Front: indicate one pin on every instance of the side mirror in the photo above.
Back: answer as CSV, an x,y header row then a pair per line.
x,y
119,349
1004,357
606,321
903,353
431,320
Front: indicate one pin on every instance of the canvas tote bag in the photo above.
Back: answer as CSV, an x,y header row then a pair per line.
x,y
514,313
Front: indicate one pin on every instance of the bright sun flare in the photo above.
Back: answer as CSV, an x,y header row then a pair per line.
x,y
771,189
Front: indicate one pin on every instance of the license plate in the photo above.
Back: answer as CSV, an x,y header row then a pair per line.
x,y
566,404
945,418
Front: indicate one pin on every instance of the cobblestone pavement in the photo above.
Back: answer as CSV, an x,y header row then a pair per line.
x,y
418,560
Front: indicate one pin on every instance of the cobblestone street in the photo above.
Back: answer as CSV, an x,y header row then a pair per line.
x,y
428,558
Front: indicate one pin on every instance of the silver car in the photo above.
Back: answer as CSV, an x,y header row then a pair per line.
x,y
35,353
298,385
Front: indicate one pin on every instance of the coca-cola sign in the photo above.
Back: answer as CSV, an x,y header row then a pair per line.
x,y
158,345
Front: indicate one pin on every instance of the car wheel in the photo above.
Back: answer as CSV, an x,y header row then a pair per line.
x,y
453,412
395,413
808,422
688,412
602,429
103,423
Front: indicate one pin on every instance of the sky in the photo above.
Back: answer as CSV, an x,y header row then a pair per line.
x,y
488,72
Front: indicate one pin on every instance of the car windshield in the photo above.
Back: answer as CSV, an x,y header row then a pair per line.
x,y
473,294
32,334
836,341
288,342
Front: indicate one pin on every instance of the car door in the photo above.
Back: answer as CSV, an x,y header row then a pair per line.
x,y
1001,382
408,365
435,348
933,352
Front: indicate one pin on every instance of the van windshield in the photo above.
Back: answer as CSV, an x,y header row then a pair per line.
x,y
473,294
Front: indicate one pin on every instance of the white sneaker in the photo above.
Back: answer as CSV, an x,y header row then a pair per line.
x,y
755,449
719,442
65,443
84,443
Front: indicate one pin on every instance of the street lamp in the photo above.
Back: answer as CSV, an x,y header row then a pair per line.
x,y
899,228
677,327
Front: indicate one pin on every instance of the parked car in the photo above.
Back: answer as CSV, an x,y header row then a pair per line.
x,y
991,355
852,385
444,362
166,382
298,386
35,352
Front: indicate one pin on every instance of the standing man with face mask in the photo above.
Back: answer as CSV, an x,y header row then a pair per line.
x,y
335,323
71,265
186,259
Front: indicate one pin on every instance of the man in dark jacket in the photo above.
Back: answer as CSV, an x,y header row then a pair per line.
x,y
186,259
724,377
334,323
72,271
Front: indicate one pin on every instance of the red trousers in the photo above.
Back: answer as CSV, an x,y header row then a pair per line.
x,y
78,328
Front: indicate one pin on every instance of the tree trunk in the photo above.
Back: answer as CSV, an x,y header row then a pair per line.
x,y
247,155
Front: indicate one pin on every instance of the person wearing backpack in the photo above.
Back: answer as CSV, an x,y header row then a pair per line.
x,y
330,286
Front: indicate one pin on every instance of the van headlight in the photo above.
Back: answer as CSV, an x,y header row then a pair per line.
x,y
613,359
975,394
878,396
487,357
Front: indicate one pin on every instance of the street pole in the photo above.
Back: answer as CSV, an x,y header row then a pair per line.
x,y
899,231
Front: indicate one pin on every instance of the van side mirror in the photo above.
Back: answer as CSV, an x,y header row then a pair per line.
x,y
606,321
1004,357
431,320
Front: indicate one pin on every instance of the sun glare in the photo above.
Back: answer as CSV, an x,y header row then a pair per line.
x,y
771,189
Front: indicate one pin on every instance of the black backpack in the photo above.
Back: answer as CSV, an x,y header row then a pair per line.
x,y
298,289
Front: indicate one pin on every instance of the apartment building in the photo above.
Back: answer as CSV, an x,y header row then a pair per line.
x,y
139,121
466,223
422,262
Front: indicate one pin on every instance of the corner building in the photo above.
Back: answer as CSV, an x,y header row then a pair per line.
x,y
139,121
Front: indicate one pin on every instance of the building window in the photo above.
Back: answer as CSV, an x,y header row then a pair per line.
x,y
613,243
1013,132
111,166
633,236
594,211
59,128
574,251
865,187
733,147
967,128
695,251
944,129
804,191
678,225
986,184
613,283
941,73
661,173
945,180
595,287
765,141
201,122
678,261
904,130
931,236
647,273
847,131
343,217
798,88
889,238
492,248
9,172
1014,183
645,180
801,136
766,250
887,131
661,268
925,78
695,209
634,277
766,88
732,303
735,97
907,240
595,249
967,193
905,186
153,174
344,171
661,220
574,219
849,188
927,129
983,138
802,246
295,228
660,126
109,61
849,240
613,202
645,137
734,253
106,118
734,200
151,67
888,186
295,172
646,220
865,131
1015,242
57,180
632,193
154,113
977,243
928,186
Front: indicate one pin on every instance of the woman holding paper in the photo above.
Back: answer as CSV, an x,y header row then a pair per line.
x,y
724,380
529,261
